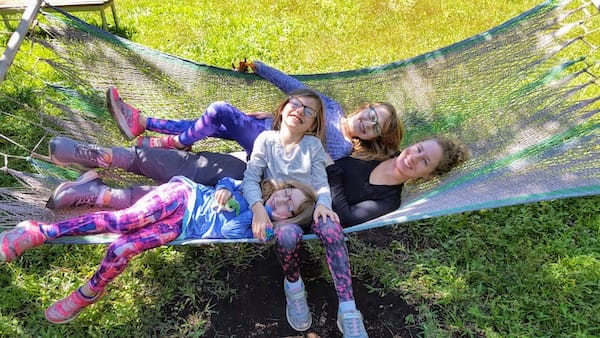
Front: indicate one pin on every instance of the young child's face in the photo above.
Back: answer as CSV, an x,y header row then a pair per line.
x,y
285,203
300,113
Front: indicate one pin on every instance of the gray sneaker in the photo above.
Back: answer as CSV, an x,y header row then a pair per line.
x,y
351,324
83,191
296,310
64,150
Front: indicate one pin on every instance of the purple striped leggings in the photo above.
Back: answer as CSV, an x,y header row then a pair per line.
x,y
152,221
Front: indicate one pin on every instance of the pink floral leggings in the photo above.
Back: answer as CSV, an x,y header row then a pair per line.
x,y
152,221
288,241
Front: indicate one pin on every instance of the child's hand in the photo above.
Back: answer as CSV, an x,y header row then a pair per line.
x,y
260,221
322,212
222,196
243,66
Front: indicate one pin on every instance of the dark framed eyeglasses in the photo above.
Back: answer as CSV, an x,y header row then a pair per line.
x,y
375,119
290,203
296,103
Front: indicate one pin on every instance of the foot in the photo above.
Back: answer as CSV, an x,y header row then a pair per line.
x,y
83,191
351,324
67,309
166,142
296,310
64,151
25,235
126,115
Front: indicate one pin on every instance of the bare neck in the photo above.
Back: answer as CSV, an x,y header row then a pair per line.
x,y
385,173
287,137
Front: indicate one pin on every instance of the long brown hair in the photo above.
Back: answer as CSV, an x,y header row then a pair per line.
x,y
385,145
304,215
318,128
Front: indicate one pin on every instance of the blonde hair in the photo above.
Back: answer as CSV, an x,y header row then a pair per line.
x,y
318,128
304,215
385,145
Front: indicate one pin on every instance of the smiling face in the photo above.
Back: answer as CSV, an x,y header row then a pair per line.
x,y
285,203
367,124
300,113
418,160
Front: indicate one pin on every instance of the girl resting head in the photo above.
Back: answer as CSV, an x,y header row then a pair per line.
x,y
292,201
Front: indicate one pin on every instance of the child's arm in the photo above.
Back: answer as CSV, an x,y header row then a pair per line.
x,y
320,183
254,173
240,227
278,78
337,145
224,190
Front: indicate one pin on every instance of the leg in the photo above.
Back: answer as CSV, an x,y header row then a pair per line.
x,y
162,164
159,164
288,239
332,238
123,249
350,320
161,203
220,119
118,255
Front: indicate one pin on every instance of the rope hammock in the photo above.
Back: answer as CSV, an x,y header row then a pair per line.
x,y
524,96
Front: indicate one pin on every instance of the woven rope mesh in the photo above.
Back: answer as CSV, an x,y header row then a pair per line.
x,y
524,96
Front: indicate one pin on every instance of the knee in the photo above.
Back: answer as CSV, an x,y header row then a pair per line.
x,y
288,236
217,108
328,229
121,250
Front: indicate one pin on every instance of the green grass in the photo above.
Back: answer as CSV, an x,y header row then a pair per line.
x,y
523,271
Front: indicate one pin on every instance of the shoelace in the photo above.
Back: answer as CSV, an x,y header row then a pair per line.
x,y
70,306
298,303
126,110
352,327
84,200
297,306
90,153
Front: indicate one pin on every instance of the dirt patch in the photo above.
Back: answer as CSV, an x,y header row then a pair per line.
x,y
259,311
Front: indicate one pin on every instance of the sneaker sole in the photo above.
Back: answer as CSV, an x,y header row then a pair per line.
x,y
118,115
85,178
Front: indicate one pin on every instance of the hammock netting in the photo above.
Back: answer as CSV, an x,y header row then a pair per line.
x,y
524,96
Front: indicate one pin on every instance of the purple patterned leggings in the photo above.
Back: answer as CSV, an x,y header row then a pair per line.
x,y
152,221
220,119
288,241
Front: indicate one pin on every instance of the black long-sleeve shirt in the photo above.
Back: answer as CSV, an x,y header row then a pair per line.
x,y
356,200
